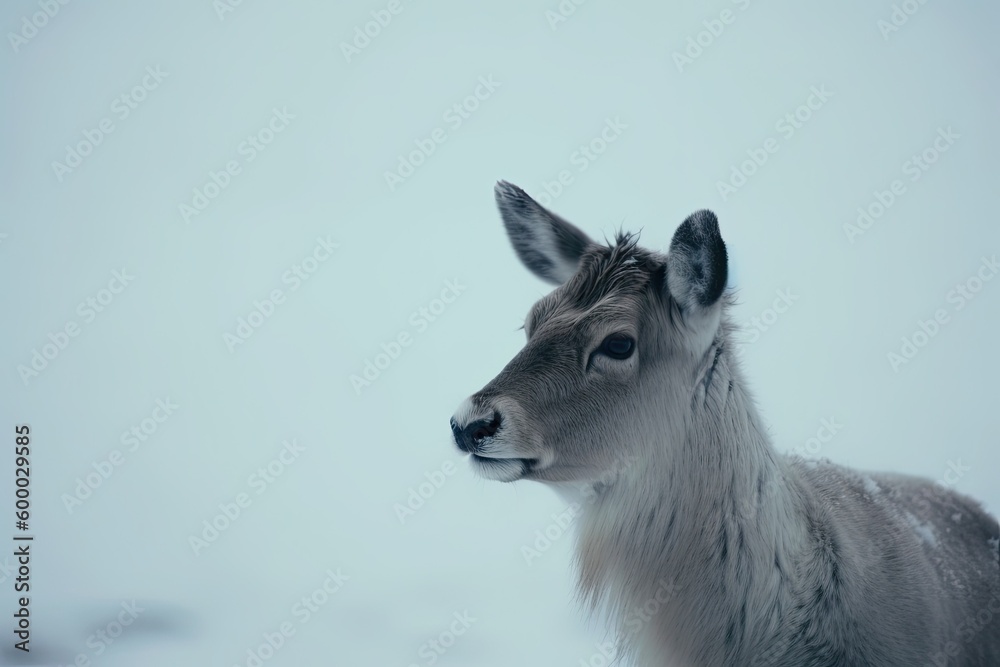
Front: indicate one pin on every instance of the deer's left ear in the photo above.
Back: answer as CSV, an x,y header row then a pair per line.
x,y
697,265
548,245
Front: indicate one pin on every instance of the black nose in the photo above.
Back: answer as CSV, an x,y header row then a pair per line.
x,y
472,436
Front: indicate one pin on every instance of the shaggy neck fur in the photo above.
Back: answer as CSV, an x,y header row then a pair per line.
x,y
710,520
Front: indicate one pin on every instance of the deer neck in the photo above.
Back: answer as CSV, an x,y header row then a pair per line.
x,y
702,530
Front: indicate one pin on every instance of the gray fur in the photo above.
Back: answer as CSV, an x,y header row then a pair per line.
x,y
771,561
548,245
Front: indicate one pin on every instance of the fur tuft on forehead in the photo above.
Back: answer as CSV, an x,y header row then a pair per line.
x,y
622,267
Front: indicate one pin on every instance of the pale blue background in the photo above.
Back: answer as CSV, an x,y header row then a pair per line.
x,y
324,175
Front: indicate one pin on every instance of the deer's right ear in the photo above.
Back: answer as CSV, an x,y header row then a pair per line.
x,y
548,245
697,265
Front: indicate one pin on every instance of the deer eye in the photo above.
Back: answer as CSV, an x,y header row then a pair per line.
x,y
618,346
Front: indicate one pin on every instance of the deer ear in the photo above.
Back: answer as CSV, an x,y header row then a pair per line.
x,y
548,245
697,265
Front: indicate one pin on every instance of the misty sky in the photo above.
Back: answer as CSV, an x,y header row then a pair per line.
x,y
215,214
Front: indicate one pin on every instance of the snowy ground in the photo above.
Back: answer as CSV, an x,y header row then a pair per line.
x,y
212,157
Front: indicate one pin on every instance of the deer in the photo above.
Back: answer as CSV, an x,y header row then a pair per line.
x,y
629,389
